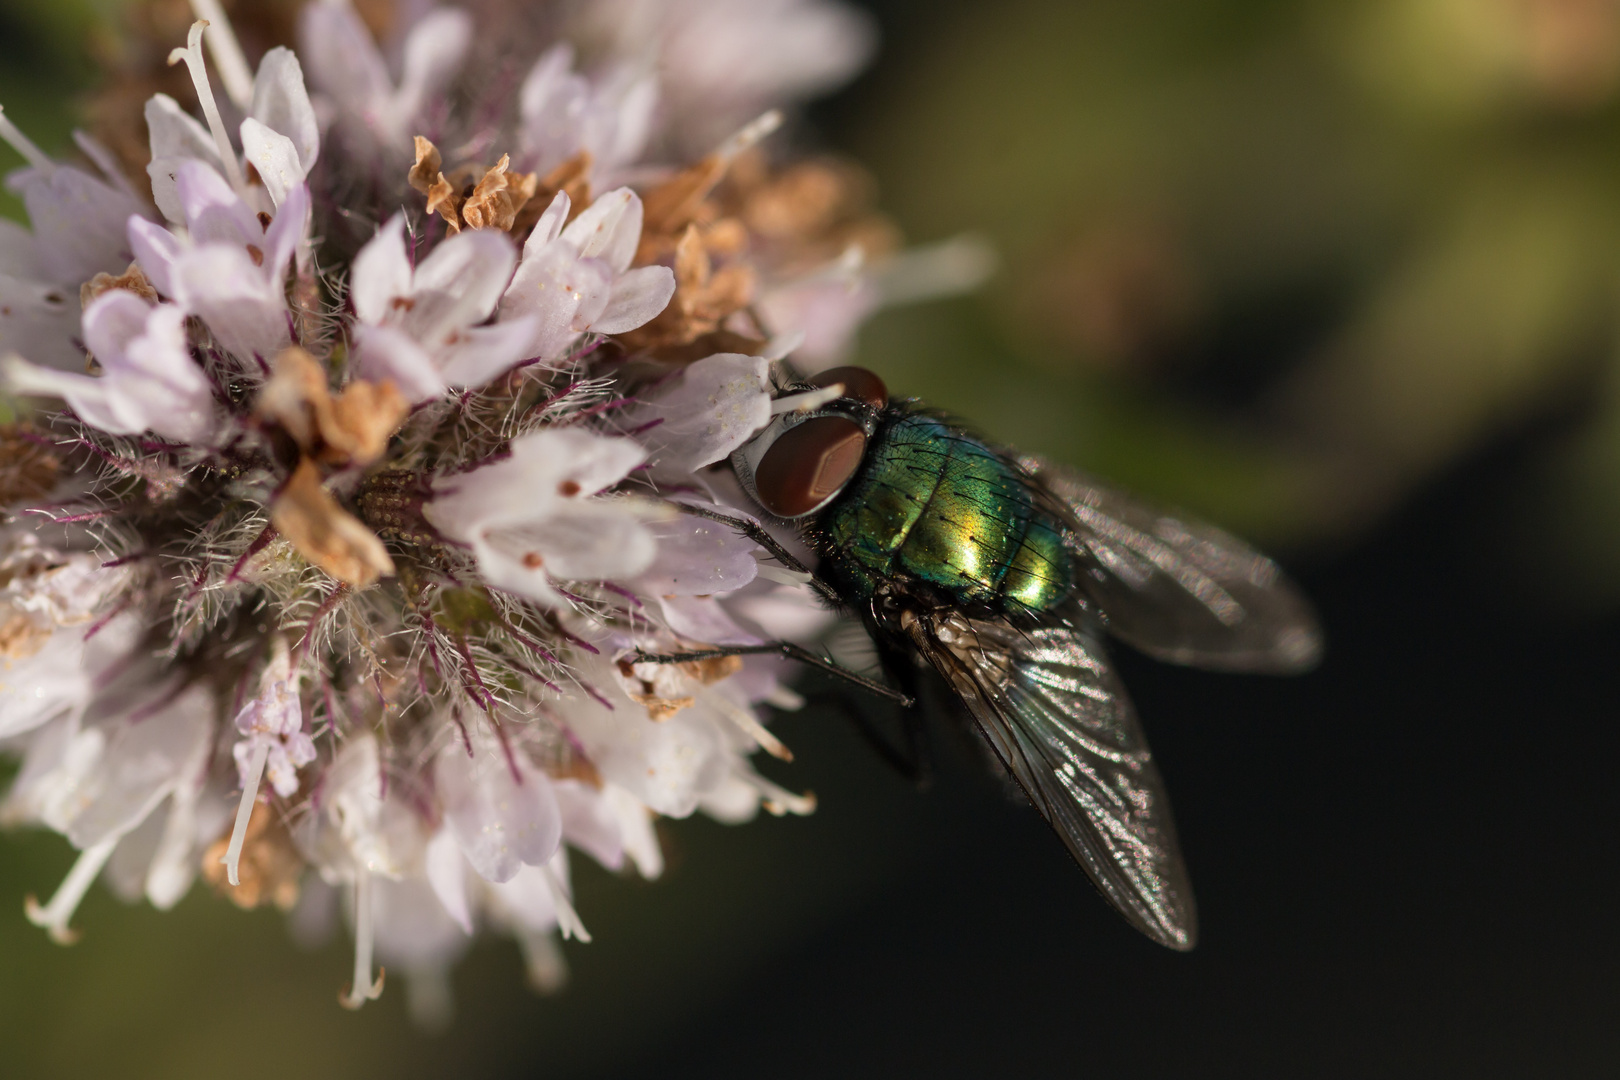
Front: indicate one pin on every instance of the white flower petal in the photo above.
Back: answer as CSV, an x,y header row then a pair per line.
x,y
720,403
698,557
215,212
281,102
343,60
446,869
175,137
223,286
477,356
144,759
156,249
274,157
434,50
78,222
589,822
381,352
610,229
550,225
459,284
502,821
636,299
381,272
562,291
590,541
38,322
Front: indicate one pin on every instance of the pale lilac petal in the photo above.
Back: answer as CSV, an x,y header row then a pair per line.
x,y
526,900
550,225
636,299
720,403
17,255
477,356
223,286
78,222
592,463
156,249
665,764
610,229
433,54
592,540
213,210
175,137
273,156
38,322
143,761
447,873
702,618
88,397
460,283
343,60
383,353
501,821
562,292
281,102
413,929
698,557
381,271
287,230
111,322
589,822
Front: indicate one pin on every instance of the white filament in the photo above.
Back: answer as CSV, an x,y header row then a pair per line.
x,y
192,57
781,574
244,811
810,399
23,144
568,920
776,799
227,53
363,989
54,916
749,723
751,133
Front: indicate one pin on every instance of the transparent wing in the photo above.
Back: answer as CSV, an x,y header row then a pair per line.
x,y
1181,590
1058,719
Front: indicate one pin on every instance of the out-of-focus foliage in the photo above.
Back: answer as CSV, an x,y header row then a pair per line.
x,y
1280,261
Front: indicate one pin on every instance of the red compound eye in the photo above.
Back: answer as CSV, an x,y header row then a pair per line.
x,y
808,464
860,384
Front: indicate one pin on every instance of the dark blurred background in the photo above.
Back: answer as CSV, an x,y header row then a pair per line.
x,y
1341,276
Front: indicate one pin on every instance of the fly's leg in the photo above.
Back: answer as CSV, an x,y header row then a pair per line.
x,y
792,652
757,533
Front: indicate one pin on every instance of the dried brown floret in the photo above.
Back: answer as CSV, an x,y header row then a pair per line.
x,y
132,279
27,469
499,196
326,534
352,428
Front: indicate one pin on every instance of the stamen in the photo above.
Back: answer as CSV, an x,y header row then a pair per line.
x,y
782,698
749,723
244,811
227,53
192,57
810,399
543,960
751,134
568,920
24,145
781,574
776,799
363,989
54,916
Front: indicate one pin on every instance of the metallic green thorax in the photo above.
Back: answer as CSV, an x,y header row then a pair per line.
x,y
933,505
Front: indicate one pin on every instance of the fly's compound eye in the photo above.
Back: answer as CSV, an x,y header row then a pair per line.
x,y
860,384
809,464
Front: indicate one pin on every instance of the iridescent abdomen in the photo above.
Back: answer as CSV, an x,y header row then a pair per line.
x,y
936,506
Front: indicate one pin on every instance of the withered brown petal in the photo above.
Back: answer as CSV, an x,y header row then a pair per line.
x,y
326,534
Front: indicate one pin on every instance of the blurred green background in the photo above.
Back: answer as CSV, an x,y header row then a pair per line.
x,y
1341,276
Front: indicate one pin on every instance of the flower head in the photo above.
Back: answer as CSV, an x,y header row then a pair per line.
x,y
363,469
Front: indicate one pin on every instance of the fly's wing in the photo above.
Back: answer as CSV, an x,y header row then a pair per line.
x,y
1181,590
1057,717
